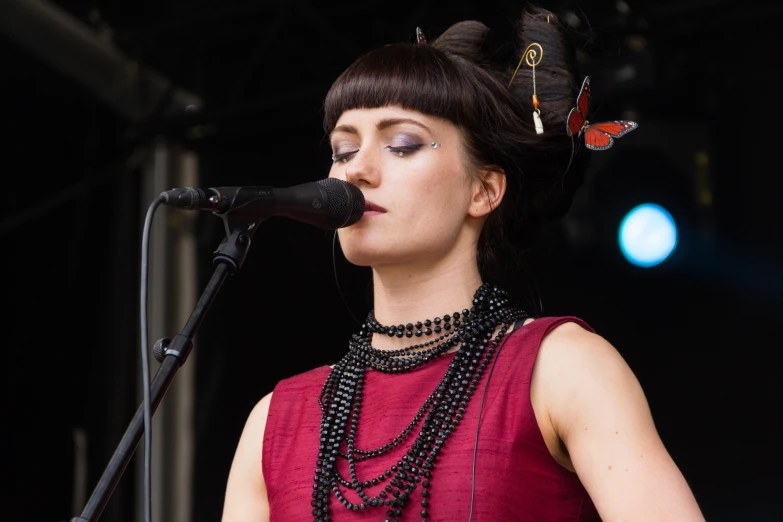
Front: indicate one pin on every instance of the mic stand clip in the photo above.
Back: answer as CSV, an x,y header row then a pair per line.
x,y
172,354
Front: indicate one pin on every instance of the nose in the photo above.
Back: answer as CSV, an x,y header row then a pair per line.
x,y
362,169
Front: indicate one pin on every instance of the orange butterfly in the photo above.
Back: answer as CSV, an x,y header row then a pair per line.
x,y
598,136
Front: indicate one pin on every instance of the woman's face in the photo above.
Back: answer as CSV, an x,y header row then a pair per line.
x,y
425,192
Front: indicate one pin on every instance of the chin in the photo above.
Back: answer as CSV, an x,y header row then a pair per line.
x,y
366,256
363,247
362,250
384,253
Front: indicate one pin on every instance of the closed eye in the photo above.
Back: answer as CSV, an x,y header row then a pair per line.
x,y
399,151
344,157
406,149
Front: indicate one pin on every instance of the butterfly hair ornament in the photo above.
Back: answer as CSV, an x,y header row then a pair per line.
x,y
598,136
532,56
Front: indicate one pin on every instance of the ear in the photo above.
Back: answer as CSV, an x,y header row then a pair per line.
x,y
488,192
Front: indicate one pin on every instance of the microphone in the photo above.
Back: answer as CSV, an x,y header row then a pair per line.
x,y
329,203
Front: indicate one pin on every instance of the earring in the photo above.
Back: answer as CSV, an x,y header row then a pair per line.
x,y
435,145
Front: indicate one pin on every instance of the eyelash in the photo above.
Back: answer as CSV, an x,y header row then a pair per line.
x,y
407,149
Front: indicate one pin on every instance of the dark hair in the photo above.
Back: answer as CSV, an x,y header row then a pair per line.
x,y
456,78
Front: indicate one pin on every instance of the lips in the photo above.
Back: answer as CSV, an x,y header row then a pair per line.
x,y
369,206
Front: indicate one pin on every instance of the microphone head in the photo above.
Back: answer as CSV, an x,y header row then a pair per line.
x,y
345,203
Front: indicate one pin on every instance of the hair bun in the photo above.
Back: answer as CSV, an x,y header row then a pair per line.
x,y
465,39
550,188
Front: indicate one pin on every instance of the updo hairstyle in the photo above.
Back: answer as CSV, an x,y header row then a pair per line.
x,y
460,77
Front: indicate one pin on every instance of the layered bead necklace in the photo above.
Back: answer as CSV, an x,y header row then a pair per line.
x,y
439,416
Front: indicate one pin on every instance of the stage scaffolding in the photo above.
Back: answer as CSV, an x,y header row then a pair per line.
x,y
141,96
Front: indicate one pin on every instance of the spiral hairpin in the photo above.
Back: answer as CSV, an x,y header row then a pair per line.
x,y
532,57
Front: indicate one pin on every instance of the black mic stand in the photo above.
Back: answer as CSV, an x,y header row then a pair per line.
x,y
172,354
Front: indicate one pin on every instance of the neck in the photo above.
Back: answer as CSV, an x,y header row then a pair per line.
x,y
408,294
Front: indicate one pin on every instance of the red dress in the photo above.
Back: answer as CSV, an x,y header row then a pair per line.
x,y
515,476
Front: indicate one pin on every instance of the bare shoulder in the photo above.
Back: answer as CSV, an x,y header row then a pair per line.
x,y
561,362
573,345
573,360
257,418
580,374
245,497
252,437
599,412
570,355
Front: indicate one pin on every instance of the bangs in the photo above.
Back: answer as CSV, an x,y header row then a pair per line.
x,y
413,76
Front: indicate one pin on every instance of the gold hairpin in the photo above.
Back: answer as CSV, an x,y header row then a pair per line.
x,y
532,58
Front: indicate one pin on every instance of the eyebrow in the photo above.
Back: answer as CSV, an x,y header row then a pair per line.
x,y
381,125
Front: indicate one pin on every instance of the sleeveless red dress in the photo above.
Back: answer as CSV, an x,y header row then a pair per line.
x,y
515,476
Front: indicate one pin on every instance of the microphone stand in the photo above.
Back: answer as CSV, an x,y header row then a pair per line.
x,y
172,354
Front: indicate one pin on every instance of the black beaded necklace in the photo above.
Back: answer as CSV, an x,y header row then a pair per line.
x,y
442,411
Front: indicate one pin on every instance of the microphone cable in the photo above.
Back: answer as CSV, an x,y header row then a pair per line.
x,y
145,364
519,324
337,281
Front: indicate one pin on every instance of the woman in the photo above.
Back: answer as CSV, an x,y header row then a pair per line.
x,y
485,413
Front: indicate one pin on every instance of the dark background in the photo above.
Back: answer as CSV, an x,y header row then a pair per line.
x,y
699,331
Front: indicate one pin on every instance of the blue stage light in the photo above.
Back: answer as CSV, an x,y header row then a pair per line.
x,y
648,235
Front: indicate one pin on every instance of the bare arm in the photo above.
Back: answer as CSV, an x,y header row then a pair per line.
x,y
598,410
245,499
